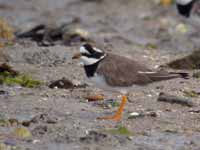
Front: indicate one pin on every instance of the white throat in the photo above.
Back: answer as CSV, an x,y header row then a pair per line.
x,y
183,2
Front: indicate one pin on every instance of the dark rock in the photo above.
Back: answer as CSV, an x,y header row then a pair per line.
x,y
65,84
42,34
39,130
49,35
26,123
62,83
10,142
6,68
44,118
94,137
2,92
189,62
163,97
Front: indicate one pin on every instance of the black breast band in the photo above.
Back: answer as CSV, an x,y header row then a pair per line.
x,y
185,9
91,69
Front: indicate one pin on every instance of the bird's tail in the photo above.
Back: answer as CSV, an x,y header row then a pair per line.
x,y
181,74
162,75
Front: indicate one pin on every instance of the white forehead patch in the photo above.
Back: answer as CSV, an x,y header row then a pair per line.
x,y
183,2
83,50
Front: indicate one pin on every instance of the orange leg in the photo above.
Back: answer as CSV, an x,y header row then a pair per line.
x,y
118,115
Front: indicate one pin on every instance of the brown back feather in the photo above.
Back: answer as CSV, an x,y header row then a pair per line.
x,y
121,71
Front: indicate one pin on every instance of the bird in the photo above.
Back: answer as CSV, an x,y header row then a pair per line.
x,y
189,9
112,72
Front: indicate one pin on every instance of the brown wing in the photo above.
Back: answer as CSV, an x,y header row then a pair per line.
x,y
121,71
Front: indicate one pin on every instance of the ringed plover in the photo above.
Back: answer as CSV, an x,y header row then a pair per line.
x,y
117,73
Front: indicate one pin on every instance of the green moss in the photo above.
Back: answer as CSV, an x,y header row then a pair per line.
x,y
110,103
191,93
114,104
3,122
151,46
120,130
23,133
21,79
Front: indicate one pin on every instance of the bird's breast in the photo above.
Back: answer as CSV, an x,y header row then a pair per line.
x,y
98,80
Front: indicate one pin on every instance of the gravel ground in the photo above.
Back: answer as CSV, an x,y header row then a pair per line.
x,y
64,119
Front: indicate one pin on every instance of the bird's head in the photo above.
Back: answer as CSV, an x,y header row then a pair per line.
x,y
89,55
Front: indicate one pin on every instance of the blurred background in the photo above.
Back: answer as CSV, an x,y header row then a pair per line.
x,y
37,41
119,23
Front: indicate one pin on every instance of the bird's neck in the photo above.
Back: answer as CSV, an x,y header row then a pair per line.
x,y
91,69
185,10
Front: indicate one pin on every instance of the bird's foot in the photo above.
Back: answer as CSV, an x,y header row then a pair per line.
x,y
118,115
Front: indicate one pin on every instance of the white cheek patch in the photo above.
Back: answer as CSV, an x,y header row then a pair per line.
x,y
97,50
183,2
88,61
83,50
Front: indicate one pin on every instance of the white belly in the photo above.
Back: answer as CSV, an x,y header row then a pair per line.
x,y
100,82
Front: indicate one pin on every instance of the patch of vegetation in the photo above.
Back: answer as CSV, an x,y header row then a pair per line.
x,y
120,130
110,103
6,34
3,122
151,46
20,79
23,133
191,93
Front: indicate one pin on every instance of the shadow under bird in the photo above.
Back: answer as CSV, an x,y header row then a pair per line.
x,y
116,73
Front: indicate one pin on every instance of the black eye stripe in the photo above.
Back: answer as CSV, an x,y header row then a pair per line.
x,y
89,48
87,55
92,53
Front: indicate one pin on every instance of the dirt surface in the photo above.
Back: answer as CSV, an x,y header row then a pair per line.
x,y
63,119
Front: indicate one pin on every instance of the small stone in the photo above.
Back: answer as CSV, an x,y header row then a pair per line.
x,y
93,136
35,141
10,142
130,138
134,114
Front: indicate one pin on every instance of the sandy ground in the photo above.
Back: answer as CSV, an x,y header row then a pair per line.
x,y
125,27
